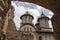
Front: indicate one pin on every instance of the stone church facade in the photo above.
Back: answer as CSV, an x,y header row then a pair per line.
x,y
28,31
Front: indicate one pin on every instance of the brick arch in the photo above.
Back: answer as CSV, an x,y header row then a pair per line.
x,y
54,6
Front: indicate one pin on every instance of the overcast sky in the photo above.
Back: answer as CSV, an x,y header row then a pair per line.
x,y
33,9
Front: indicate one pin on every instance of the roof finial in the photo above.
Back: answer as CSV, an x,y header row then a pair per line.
x,y
27,12
43,15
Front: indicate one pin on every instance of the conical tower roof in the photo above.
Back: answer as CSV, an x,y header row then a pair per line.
x,y
26,14
42,16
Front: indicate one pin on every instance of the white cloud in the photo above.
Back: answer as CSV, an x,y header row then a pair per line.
x,y
50,23
34,12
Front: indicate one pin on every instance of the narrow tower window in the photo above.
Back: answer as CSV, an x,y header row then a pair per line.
x,y
25,29
30,29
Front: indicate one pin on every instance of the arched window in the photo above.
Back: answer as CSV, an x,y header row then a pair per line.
x,y
24,28
28,29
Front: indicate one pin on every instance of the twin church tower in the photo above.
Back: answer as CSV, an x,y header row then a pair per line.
x,y
42,21
29,31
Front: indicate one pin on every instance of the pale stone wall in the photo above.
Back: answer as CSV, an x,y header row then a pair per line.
x,y
46,36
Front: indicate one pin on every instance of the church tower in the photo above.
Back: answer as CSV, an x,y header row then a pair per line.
x,y
26,18
27,22
43,21
27,27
